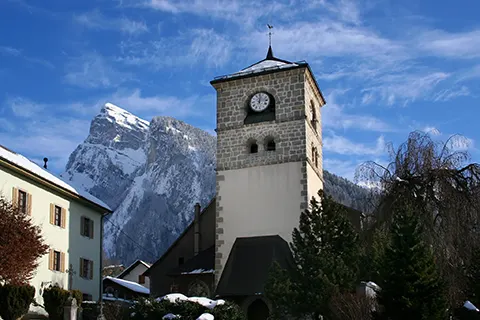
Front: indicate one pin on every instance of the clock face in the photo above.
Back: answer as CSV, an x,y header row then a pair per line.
x,y
259,102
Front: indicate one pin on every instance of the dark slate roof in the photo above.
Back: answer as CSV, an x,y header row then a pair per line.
x,y
203,262
249,262
147,273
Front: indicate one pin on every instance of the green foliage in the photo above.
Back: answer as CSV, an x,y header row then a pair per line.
x,y
411,285
148,309
15,300
55,298
326,253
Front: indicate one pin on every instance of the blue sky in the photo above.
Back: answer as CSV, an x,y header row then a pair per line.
x,y
386,67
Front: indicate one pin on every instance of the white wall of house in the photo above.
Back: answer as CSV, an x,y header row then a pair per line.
x,y
135,273
67,240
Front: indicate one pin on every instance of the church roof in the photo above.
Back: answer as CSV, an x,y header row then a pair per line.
x,y
249,262
202,263
269,64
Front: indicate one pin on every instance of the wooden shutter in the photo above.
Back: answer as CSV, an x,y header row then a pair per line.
x,y
82,226
50,259
91,229
29,204
15,197
81,268
90,270
52,213
62,262
64,218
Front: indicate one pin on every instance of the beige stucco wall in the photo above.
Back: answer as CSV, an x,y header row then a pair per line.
x,y
134,274
66,240
258,201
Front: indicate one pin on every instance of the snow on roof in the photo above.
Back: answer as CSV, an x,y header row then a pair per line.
x,y
123,117
32,167
130,285
130,267
199,271
170,316
470,306
178,297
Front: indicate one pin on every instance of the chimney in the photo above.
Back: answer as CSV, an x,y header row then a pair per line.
x,y
196,230
45,160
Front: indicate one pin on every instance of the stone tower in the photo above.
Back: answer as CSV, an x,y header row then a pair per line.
x,y
269,151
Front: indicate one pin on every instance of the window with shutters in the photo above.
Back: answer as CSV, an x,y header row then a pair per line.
x,y
86,268
22,201
87,227
58,216
313,115
56,260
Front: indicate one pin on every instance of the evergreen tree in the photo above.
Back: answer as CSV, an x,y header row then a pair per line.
x,y
411,285
325,250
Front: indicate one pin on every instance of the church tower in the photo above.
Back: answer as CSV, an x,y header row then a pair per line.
x,y
269,151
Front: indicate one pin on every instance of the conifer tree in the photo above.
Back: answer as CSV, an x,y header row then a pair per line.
x,y
325,250
411,287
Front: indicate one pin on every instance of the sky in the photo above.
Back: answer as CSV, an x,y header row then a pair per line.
x,y
385,67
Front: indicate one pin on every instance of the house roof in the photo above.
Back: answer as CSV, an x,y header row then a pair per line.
x,y
130,285
133,266
147,273
249,262
28,168
202,263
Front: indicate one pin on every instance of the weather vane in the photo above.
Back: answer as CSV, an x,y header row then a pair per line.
x,y
270,27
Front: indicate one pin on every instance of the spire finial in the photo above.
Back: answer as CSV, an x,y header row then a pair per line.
x,y
270,27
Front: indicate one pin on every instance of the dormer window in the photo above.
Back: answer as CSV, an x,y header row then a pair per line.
x,y
270,144
313,116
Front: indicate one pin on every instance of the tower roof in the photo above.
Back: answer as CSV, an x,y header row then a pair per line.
x,y
269,64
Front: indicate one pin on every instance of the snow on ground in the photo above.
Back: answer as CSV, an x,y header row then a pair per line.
x,y
470,306
206,316
169,316
178,297
130,285
32,167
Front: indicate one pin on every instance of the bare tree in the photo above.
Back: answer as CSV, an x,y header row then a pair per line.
x,y
444,188
351,306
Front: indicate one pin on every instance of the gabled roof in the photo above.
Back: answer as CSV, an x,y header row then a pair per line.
x,y
147,273
249,262
33,171
133,266
130,285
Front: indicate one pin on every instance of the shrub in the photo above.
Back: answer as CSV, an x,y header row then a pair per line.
x,y
15,300
55,298
148,309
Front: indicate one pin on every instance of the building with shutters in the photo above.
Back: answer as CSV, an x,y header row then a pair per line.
x,y
71,222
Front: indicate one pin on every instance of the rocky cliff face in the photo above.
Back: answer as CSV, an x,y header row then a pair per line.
x,y
152,174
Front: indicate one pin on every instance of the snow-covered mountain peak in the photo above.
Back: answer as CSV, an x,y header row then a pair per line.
x,y
122,117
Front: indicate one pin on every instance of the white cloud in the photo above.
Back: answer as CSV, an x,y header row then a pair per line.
x,y
451,93
334,116
10,51
97,21
23,107
460,45
198,47
93,71
156,105
342,145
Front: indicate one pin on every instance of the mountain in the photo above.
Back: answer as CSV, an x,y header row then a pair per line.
x,y
151,174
